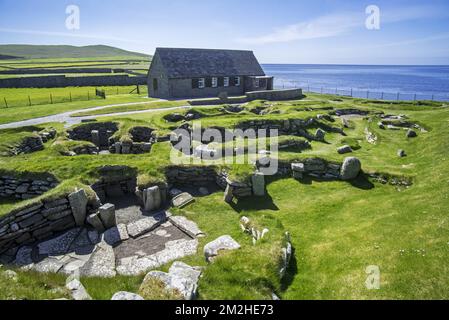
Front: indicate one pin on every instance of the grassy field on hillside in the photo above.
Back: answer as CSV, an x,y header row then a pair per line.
x,y
338,228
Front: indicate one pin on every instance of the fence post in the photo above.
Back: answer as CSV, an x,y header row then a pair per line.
x,y
367,94
351,93
432,97
6,103
29,100
398,97
321,90
117,90
51,99
414,98
70,96
88,96
138,89
382,96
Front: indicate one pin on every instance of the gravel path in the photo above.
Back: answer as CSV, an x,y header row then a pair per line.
x,y
69,120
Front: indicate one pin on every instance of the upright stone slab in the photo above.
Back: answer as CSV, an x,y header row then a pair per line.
x,y
107,215
152,198
351,168
95,135
229,194
95,221
78,202
258,181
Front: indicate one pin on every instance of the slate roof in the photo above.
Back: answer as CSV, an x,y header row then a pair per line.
x,y
190,63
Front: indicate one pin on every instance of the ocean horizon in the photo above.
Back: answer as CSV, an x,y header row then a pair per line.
x,y
408,82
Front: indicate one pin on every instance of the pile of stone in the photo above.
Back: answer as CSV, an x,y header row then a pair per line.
x,y
42,219
322,169
23,188
300,145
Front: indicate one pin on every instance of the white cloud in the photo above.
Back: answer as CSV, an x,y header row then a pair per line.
x,y
337,24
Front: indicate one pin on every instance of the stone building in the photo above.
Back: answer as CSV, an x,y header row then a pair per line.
x,y
201,73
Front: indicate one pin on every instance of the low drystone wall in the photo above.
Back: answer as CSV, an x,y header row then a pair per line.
x,y
32,143
23,188
277,95
63,81
42,219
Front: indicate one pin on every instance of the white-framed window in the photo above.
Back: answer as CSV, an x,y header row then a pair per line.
x,y
201,83
237,81
226,81
214,82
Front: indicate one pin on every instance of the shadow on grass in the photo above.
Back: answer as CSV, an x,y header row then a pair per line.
x,y
259,203
361,182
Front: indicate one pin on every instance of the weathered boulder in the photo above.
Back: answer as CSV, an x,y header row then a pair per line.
x,y
212,249
77,290
181,278
344,149
78,202
258,182
10,275
350,169
124,296
320,135
411,134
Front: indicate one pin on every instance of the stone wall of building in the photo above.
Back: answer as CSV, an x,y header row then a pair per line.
x,y
277,95
32,143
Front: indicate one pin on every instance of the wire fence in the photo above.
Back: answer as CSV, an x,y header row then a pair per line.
x,y
55,96
360,93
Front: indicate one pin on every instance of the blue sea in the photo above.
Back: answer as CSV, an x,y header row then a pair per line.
x,y
376,82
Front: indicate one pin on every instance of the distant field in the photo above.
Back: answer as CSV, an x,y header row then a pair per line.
x,y
22,97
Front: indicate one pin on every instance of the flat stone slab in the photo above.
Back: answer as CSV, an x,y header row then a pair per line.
x,y
212,249
142,226
101,262
174,250
182,200
116,235
59,245
186,225
48,265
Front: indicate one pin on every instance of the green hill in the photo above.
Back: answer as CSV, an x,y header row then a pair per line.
x,y
62,51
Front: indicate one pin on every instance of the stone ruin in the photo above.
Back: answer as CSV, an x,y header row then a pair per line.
x,y
101,134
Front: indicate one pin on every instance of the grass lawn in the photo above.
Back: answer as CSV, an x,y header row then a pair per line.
x,y
338,229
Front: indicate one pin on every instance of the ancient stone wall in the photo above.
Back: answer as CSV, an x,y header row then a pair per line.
x,y
42,219
23,188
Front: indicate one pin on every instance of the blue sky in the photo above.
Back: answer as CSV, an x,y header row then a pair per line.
x,y
287,31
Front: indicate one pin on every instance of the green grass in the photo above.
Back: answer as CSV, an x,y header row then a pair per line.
x,y
338,228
